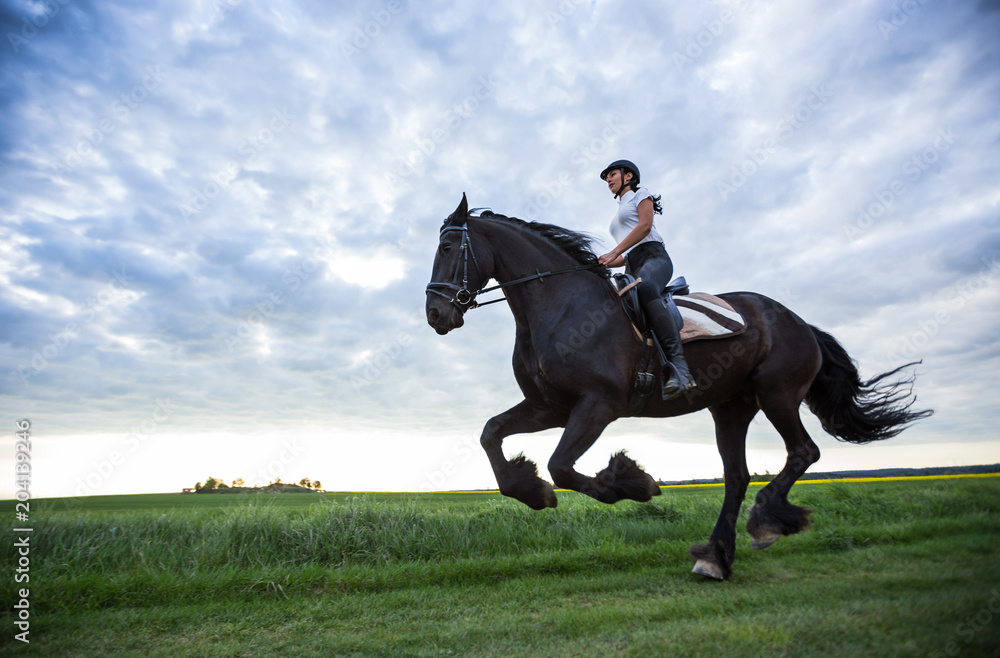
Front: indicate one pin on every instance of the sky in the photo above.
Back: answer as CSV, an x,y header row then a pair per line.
x,y
217,220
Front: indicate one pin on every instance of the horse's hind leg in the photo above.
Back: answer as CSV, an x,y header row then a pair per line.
x,y
772,516
715,559
518,477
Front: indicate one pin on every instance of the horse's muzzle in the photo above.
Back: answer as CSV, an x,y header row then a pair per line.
x,y
442,315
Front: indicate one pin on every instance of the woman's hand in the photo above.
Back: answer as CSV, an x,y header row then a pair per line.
x,y
611,259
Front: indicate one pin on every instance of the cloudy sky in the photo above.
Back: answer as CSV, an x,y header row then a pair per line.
x,y
218,219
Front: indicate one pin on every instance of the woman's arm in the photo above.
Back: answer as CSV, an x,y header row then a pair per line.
x,y
615,257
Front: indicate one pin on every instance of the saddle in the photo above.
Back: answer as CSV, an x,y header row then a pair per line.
x,y
704,317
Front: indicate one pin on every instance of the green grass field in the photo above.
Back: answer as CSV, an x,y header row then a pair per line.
x,y
901,568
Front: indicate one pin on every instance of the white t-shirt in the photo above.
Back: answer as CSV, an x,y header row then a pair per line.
x,y
627,217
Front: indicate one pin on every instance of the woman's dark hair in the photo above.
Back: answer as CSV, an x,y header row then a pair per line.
x,y
657,206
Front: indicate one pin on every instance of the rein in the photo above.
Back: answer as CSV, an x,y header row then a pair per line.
x,y
464,298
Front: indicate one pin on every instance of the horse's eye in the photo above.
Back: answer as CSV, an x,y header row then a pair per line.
x,y
445,248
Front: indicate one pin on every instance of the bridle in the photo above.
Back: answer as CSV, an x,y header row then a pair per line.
x,y
465,299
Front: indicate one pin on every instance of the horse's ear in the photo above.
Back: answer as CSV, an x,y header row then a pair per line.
x,y
461,214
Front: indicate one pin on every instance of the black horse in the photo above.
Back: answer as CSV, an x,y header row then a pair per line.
x,y
576,357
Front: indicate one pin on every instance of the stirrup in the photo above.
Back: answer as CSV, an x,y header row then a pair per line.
x,y
673,392
669,390
672,388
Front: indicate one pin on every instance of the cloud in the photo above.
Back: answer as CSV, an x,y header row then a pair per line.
x,y
235,206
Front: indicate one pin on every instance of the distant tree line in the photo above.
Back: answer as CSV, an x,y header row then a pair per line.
x,y
215,485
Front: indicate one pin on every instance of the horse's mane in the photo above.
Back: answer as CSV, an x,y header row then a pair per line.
x,y
575,245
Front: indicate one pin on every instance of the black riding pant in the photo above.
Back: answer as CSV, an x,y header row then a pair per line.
x,y
650,262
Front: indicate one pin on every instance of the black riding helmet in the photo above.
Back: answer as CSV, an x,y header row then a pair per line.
x,y
624,165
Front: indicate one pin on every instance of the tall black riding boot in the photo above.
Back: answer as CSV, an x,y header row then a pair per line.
x,y
666,323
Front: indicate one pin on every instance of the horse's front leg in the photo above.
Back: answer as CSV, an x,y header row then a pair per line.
x,y
518,477
622,479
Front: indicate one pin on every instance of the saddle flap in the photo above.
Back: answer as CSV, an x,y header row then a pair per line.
x,y
626,285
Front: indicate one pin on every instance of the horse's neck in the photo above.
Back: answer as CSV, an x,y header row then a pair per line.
x,y
517,254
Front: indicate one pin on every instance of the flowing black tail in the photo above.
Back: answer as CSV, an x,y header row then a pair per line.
x,y
856,411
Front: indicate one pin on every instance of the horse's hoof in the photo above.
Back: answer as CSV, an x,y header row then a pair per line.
x,y
623,479
523,484
708,569
541,496
760,543
541,499
550,497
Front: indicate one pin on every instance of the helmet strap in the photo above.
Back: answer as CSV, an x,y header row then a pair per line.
x,y
621,187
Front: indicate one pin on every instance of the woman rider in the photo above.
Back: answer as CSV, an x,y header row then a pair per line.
x,y
641,249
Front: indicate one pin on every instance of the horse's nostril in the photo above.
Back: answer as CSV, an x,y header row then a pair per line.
x,y
432,315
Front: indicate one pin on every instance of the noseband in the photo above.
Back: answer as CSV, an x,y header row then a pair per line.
x,y
463,298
